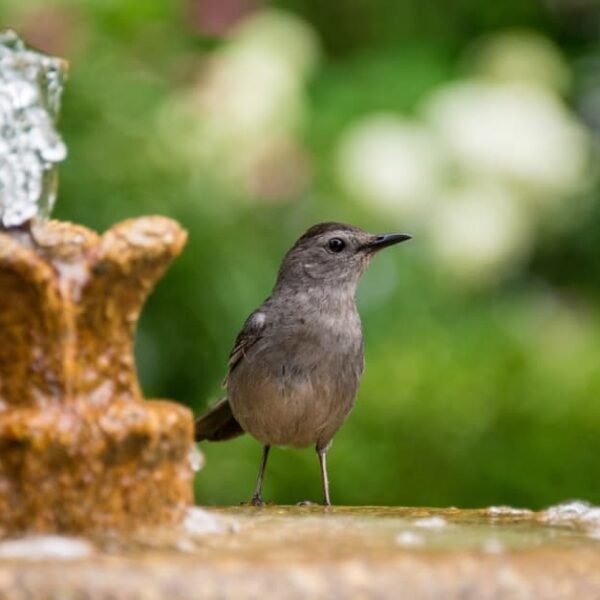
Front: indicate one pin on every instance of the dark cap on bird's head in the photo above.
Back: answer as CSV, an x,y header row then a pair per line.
x,y
333,252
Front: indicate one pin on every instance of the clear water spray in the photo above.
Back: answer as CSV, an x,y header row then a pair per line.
x,y
31,85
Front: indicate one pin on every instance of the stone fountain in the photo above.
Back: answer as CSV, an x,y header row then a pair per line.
x,y
80,449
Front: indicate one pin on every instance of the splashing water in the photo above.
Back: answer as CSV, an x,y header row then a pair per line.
x,y
31,85
501,511
46,547
433,522
575,512
201,522
410,539
195,458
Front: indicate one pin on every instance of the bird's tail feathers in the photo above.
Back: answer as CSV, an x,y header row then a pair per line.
x,y
217,424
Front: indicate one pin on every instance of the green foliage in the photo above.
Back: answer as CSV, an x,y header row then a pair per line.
x,y
469,398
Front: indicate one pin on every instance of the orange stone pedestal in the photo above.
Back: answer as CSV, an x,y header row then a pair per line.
x,y
80,449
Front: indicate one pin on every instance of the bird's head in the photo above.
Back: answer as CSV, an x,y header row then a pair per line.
x,y
332,252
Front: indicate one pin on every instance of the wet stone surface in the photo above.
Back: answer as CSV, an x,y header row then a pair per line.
x,y
311,552
81,450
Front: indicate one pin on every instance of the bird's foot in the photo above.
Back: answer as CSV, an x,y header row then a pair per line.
x,y
256,500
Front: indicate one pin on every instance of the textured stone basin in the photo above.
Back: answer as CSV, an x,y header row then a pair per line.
x,y
311,552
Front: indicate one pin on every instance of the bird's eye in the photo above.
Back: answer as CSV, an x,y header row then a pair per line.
x,y
336,244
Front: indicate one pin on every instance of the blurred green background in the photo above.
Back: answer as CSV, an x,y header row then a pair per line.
x,y
474,126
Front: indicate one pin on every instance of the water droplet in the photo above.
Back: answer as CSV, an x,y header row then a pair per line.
x,y
498,511
46,547
493,546
196,458
410,539
201,522
431,523
574,511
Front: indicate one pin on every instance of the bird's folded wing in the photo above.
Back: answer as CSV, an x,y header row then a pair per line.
x,y
252,331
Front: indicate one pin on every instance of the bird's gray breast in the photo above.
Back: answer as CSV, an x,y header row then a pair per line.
x,y
298,383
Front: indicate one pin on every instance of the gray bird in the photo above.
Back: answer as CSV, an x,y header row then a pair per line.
x,y
296,365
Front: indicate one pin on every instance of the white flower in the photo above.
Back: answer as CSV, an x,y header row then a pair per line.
x,y
392,163
479,233
255,84
250,97
524,56
247,93
519,133
282,34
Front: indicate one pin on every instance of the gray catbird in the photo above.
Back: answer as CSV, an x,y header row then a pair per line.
x,y
295,367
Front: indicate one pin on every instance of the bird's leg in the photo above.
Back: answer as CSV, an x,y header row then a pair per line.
x,y
257,497
322,453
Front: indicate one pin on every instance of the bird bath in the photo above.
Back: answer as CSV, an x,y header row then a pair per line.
x,y
312,552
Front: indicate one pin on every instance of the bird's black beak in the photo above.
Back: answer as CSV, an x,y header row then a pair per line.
x,y
388,239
